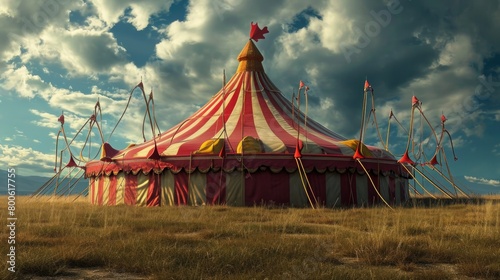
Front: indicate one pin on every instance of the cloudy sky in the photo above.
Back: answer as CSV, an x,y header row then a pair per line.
x,y
65,55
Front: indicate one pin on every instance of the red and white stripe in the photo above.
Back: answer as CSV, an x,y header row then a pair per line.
x,y
253,107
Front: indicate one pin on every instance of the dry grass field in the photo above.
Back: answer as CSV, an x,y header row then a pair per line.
x,y
65,239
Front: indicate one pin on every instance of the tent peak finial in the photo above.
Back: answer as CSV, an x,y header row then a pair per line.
x,y
250,58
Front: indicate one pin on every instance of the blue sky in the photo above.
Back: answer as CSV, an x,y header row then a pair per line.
x,y
65,55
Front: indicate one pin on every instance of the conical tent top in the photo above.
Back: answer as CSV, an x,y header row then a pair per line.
x,y
250,58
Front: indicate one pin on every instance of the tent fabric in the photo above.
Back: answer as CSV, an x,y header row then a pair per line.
x,y
353,144
238,149
233,161
329,189
125,189
249,105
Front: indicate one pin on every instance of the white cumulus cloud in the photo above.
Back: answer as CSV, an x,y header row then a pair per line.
x,y
483,181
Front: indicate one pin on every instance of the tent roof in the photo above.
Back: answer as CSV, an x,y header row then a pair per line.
x,y
251,106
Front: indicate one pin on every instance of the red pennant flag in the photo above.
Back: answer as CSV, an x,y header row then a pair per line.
x,y
368,86
61,119
301,84
414,100
256,33
443,118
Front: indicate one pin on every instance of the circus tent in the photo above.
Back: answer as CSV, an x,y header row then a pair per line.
x,y
247,145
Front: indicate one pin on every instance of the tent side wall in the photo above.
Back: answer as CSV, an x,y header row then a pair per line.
x,y
242,188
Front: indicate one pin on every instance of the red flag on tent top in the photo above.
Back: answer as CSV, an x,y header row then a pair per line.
x,y
301,84
256,33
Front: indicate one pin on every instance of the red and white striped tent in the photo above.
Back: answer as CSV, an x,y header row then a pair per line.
x,y
247,145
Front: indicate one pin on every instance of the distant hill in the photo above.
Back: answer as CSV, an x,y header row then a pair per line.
x,y
467,187
27,185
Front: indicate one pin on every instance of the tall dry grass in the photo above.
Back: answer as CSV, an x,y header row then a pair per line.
x,y
439,242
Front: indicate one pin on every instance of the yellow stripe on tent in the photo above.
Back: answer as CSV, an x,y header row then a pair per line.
x,y
142,189
167,188
105,190
196,189
120,188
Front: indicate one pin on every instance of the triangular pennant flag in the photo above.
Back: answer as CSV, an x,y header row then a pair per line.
x,y
443,118
414,100
367,85
61,119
